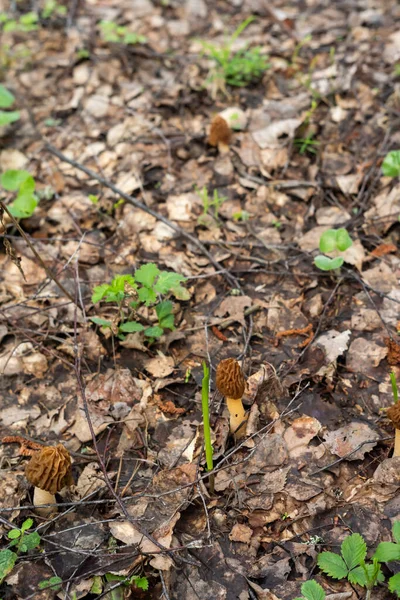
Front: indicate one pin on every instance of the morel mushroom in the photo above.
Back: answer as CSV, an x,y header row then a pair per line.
x,y
231,383
220,134
49,470
394,415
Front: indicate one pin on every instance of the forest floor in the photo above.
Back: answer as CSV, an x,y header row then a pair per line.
x,y
116,137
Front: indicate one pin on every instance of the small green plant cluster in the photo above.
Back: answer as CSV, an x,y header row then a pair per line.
x,y
391,164
238,69
145,288
111,32
210,204
23,184
307,144
7,99
24,23
53,8
351,564
22,542
330,240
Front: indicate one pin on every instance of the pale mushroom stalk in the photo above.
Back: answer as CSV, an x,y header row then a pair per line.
x,y
237,417
231,384
42,497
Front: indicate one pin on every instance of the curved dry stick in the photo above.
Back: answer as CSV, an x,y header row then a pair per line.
x,y
228,277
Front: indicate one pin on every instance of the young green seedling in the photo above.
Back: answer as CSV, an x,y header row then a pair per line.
x,y
331,240
23,184
205,392
311,590
391,164
7,99
144,289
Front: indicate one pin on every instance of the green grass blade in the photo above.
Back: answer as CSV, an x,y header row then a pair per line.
x,y
394,387
205,387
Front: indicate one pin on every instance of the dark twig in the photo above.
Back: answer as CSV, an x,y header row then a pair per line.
x,y
231,280
37,255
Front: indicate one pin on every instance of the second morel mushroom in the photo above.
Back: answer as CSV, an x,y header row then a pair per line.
x,y
231,384
394,415
49,470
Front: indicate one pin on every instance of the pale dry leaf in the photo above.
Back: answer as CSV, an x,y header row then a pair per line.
x,y
388,472
300,434
331,216
234,307
343,441
160,366
241,533
334,344
364,355
277,134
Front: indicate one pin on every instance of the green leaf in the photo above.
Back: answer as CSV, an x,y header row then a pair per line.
x,y
332,564
101,322
154,332
391,164
354,550
394,584
118,283
99,292
141,582
168,322
164,309
146,274
131,326
7,562
396,531
343,240
311,590
387,551
327,241
23,206
93,199
168,282
7,99
328,264
27,524
14,534
181,293
53,582
30,541
147,295
359,576
97,585
9,117
12,179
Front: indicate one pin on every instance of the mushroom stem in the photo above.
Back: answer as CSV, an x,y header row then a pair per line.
x,y
237,416
43,497
396,451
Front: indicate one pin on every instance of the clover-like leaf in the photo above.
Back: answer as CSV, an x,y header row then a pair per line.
x,y
168,281
387,551
327,241
343,240
391,164
12,179
328,264
393,583
354,550
8,117
332,564
311,590
101,322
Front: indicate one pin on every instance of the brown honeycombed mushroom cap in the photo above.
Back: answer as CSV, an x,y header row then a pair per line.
x,y
220,132
394,414
50,469
230,379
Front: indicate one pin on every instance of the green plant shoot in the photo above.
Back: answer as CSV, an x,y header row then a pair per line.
x,y
205,391
391,164
395,390
331,240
